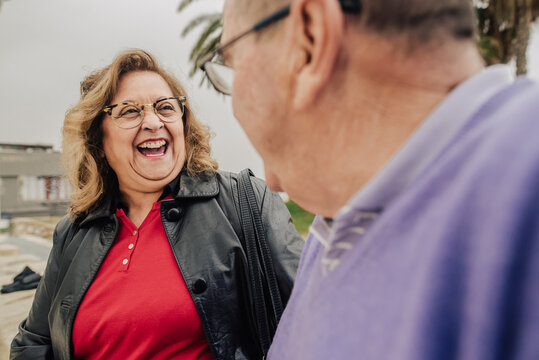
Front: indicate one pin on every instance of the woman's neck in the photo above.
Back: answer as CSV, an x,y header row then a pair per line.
x,y
139,204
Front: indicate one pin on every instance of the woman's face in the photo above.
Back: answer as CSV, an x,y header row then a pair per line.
x,y
149,156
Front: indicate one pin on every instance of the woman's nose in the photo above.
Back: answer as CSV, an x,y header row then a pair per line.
x,y
150,120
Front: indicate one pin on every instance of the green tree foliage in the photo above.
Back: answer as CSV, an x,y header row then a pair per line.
x,y
301,218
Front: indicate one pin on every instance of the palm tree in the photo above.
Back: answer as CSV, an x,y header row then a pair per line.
x,y
504,30
208,39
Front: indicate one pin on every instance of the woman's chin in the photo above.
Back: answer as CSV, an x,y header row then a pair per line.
x,y
157,175
157,170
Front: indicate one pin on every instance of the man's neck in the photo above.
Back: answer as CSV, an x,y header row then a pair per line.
x,y
385,100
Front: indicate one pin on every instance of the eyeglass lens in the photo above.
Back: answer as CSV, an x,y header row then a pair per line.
x,y
129,115
221,76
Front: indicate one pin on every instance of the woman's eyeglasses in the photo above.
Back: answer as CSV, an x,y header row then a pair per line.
x,y
127,115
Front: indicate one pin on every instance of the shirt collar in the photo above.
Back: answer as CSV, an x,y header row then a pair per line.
x,y
171,188
430,138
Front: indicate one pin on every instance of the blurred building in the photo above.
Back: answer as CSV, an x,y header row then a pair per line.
x,y
31,181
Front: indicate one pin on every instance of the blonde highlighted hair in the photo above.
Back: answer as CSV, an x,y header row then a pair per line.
x,y
91,177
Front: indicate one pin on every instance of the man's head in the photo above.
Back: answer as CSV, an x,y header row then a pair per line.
x,y
327,96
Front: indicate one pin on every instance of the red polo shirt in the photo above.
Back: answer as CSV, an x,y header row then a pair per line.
x,y
138,306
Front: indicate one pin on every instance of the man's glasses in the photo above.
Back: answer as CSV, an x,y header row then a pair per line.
x,y
127,115
221,76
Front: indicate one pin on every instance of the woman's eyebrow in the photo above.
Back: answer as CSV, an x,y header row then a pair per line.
x,y
136,102
164,97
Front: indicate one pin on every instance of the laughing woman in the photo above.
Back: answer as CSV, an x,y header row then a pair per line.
x,y
148,264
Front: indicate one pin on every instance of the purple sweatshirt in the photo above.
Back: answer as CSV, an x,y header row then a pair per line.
x,y
438,256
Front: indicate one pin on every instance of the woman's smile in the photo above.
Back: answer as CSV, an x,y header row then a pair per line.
x,y
153,148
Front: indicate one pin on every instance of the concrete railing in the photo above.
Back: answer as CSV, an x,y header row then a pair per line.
x,y
31,226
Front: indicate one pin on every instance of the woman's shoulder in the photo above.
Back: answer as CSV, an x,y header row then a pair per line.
x,y
232,177
229,185
64,224
64,227
228,182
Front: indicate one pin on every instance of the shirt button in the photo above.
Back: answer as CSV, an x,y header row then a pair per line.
x,y
124,262
131,246
134,232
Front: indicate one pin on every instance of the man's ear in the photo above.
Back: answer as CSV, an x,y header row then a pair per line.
x,y
317,30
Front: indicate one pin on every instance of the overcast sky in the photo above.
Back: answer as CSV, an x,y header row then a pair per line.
x,y
47,47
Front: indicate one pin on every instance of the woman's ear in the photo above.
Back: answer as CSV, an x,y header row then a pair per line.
x,y
317,30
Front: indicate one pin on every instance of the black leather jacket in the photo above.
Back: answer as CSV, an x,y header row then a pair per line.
x,y
201,224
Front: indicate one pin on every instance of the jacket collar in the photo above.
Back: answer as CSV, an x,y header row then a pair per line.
x,y
197,186
191,186
104,211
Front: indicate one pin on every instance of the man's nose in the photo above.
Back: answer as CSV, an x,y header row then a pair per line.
x,y
150,120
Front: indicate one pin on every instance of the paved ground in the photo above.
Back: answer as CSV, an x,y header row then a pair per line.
x,y
25,251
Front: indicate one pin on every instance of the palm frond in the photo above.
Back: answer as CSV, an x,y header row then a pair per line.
x,y
208,31
207,40
184,4
191,25
210,45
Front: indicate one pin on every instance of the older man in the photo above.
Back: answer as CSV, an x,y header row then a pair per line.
x,y
423,166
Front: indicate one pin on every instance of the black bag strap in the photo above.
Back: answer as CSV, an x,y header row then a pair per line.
x,y
266,315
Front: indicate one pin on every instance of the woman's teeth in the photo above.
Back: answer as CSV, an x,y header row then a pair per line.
x,y
153,148
152,144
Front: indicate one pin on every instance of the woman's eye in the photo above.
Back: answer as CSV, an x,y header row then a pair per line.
x,y
166,107
129,110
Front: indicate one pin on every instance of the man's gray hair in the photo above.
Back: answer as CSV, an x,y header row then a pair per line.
x,y
422,20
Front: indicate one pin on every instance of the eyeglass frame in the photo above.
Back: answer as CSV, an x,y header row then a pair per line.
x,y
108,109
349,6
